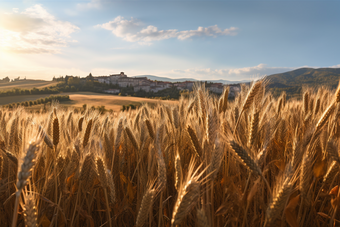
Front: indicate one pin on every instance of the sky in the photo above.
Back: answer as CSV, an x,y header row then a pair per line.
x,y
205,40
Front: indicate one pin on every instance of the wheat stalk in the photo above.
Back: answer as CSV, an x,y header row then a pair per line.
x,y
132,137
111,187
187,198
216,160
87,133
30,212
279,201
249,100
194,141
101,172
56,133
46,138
212,126
87,173
332,151
175,117
80,123
119,133
150,128
178,172
337,94
325,116
331,172
23,175
202,106
305,175
253,128
244,158
305,102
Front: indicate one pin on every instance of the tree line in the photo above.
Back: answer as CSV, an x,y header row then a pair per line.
x,y
45,100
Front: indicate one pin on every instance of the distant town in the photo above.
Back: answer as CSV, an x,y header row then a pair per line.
x,y
147,85
121,84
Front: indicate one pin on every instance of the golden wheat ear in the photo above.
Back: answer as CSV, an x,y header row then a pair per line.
x,y
30,211
87,133
194,140
188,194
178,172
255,88
56,132
145,207
278,203
245,158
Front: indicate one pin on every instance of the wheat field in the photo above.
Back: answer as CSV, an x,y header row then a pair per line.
x,y
204,161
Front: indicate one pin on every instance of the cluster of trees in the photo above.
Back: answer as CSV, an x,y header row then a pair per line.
x,y
5,80
168,93
49,99
33,91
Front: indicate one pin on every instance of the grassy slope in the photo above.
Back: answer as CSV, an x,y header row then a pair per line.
x,y
27,84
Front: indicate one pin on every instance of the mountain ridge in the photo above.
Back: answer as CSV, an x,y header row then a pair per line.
x,y
292,82
159,78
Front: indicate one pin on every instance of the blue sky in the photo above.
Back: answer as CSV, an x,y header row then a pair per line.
x,y
232,40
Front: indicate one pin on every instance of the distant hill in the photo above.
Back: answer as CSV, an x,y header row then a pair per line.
x,y
190,79
293,81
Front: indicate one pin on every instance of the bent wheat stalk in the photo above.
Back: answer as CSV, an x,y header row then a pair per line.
x,y
25,172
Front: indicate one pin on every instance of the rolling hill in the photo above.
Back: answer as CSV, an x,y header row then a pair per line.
x,y
292,82
27,84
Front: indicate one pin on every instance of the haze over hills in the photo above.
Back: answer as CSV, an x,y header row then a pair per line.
x,y
190,79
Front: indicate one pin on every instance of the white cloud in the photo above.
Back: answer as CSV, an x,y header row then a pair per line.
x,y
34,31
93,4
133,30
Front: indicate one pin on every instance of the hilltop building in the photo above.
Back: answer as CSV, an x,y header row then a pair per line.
x,y
147,85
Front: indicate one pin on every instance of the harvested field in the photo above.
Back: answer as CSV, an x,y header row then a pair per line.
x,y
113,102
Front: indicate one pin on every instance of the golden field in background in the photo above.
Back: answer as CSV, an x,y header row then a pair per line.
x,y
78,99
